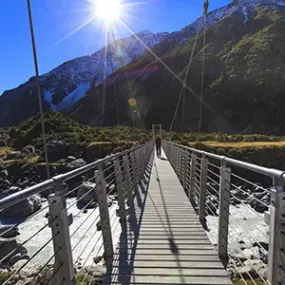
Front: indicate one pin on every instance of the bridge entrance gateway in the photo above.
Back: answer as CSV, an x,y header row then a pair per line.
x,y
156,130
181,219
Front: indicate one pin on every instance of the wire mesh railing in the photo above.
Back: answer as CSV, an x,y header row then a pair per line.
x,y
242,207
66,238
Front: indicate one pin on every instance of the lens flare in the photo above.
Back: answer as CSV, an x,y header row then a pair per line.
x,y
132,102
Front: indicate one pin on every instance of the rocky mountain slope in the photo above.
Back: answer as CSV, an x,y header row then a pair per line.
x,y
68,83
244,75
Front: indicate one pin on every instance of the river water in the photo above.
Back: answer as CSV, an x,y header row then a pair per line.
x,y
246,226
86,242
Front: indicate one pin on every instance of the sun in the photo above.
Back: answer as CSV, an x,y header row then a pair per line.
x,y
108,10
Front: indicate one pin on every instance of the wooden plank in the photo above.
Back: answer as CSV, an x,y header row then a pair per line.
x,y
156,279
166,251
166,244
176,271
174,264
169,257
184,241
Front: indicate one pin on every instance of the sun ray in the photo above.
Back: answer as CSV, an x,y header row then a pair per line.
x,y
74,11
127,5
77,29
127,15
166,66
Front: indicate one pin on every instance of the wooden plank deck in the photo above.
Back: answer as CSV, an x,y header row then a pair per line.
x,y
165,243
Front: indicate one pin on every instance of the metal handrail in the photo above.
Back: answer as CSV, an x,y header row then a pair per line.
x,y
271,172
50,183
129,168
184,160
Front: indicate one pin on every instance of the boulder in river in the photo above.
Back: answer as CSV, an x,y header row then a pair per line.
x,y
75,164
29,149
15,155
99,226
85,194
57,150
70,158
8,231
255,202
93,274
4,184
11,252
4,173
23,208
253,267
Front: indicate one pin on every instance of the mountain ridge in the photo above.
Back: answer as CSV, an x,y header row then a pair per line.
x,y
66,84
245,62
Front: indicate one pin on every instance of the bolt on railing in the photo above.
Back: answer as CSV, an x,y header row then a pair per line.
x,y
249,238
75,237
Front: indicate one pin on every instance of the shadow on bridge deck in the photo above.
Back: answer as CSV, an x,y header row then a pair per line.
x,y
163,241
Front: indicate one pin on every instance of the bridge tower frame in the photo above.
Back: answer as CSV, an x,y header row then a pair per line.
x,y
154,127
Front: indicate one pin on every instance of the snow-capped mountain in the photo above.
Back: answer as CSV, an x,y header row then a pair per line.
x,y
68,83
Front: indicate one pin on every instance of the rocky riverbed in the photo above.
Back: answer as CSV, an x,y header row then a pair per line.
x,y
247,241
86,243
83,231
248,236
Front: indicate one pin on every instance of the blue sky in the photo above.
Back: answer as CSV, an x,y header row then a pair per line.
x,y
54,19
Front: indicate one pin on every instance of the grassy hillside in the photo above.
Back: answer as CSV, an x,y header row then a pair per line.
x,y
62,128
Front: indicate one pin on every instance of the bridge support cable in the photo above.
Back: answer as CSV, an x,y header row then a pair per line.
x,y
202,76
185,78
112,69
38,87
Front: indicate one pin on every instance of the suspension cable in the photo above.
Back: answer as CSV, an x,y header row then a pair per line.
x,y
38,86
202,76
185,78
113,77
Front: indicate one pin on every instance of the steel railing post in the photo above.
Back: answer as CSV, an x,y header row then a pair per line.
x,y
128,184
120,189
142,163
173,156
177,161
181,165
192,178
138,164
59,222
134,171
276,255
224,212
185,171
104,213
203,187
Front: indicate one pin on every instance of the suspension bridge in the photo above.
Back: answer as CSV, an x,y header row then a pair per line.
x,y
170,220
157,229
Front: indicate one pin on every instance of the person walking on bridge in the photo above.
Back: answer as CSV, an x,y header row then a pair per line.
x,y
158,146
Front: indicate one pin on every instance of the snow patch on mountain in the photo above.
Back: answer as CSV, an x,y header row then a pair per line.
x,y
73,97
48,98
245,14
75,77
254,3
